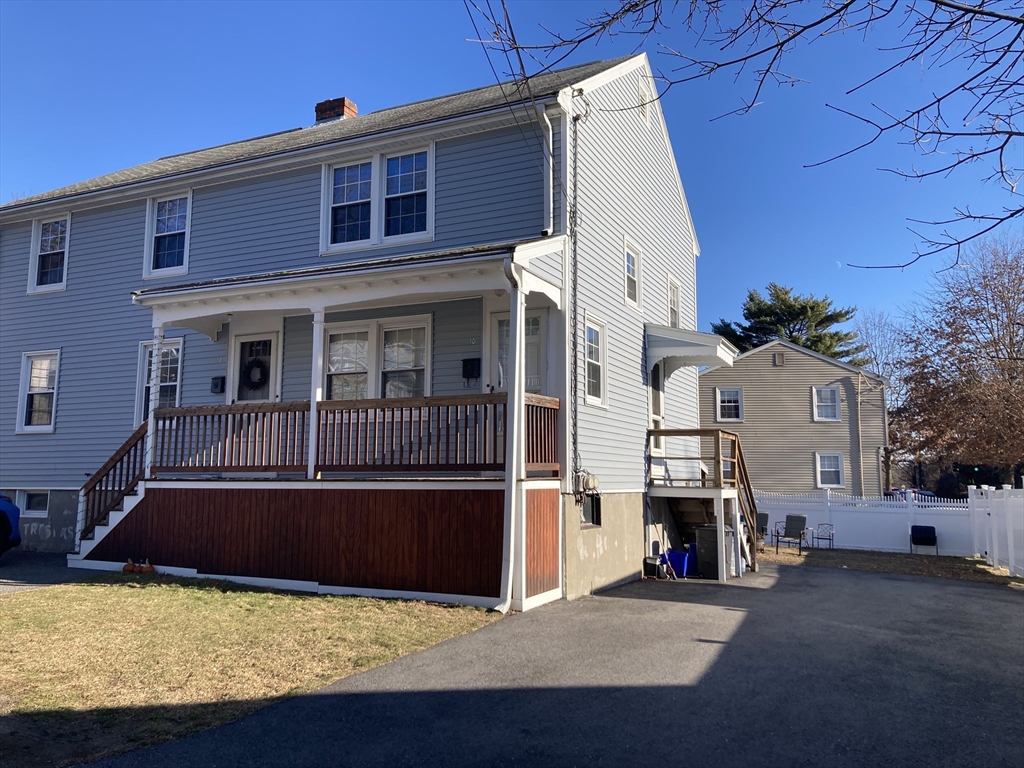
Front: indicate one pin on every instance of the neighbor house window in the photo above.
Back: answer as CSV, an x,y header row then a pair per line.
x,y
170,377
35,503
657,406
397,349
167,236
729,403
826,403
367,203
350,203
38,393
49,255
829,469
673,303
631,270
597,386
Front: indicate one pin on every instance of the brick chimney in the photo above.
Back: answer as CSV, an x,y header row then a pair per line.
x,y
335,108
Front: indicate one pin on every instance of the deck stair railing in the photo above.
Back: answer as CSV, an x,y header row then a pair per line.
x,y
716,462
111,483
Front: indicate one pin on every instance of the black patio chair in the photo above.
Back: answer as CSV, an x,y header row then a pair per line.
x,y
793,529
762,530
923,536
825,532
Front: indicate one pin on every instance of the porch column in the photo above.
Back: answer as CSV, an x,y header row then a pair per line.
x,y
723,573
737,549
514,466
154,397
316,392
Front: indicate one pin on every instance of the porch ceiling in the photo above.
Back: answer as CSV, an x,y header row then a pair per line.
x,y
678,348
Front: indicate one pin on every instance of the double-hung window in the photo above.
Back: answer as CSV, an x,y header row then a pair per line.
x,y
167,236
596,345
379,358
170,377
631,274
729,403
49,255
38,393
673,303
829,470
378,200
826,403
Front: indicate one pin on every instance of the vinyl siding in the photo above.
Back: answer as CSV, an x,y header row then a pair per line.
x,y
628,187
549,267
778,432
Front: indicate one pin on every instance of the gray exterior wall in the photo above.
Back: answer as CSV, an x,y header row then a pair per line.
x,y
779,434
628,187
600,557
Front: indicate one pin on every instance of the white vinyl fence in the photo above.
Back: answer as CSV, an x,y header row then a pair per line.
x,y
990,522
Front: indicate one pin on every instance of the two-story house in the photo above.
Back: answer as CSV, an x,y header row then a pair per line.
x,y
406,353
806,421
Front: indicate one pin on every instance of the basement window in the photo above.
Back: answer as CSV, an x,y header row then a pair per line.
x,y
590,511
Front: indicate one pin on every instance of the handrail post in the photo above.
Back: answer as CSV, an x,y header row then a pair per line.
x,y
719,478
154,397
316,393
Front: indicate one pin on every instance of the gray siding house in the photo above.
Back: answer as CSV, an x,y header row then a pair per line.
x,y
408,353
806,421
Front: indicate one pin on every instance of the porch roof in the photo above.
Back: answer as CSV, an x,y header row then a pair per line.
x,y
676,348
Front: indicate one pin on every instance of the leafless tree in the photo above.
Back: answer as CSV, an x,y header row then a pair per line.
x,y
978,45
964,369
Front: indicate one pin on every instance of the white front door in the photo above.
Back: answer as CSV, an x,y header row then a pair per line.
x,y
256,368
535,347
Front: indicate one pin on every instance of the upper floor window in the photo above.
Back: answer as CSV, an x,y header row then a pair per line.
x,y
829,470
38,391
597,385
377,201
673,303
826,403
49,255
167,234
729,403
631,269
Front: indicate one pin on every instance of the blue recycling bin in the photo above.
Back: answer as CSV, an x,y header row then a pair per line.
x,y
683,561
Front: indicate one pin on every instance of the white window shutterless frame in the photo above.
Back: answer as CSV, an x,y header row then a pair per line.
x,y
535,349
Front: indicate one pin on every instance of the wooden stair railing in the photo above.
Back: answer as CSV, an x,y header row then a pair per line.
x,y
117,478
747,503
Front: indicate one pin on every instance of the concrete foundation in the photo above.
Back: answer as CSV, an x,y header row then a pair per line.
x,y
597,557
54,531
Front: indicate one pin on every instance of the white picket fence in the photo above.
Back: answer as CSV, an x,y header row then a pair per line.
x,y
989,523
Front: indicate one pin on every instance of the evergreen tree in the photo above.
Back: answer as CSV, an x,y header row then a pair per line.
x,y
803,320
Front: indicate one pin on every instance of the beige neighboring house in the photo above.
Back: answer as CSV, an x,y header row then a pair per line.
x,y
805,420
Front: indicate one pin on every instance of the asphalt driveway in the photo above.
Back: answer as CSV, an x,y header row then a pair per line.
x,y
791,667
20,570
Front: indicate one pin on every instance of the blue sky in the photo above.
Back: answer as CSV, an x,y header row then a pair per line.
x,y
87,88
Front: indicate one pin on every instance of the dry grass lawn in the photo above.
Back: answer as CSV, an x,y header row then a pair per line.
x,y
943,567
124,661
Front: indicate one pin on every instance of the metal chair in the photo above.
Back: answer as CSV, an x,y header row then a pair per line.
x,y
824,532
762,530
794,528
923,536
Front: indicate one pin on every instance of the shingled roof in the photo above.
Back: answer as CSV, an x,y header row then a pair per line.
x,y
405,116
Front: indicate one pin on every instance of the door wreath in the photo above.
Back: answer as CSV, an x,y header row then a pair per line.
x,y
255,374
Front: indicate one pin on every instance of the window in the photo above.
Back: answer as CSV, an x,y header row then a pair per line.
x,y
595,351
673,303
657,406
36,404
167,235
397,349
826,403
729,403
377,200
350,206
590,510
829,470
170,377
631,268
35,503
49,255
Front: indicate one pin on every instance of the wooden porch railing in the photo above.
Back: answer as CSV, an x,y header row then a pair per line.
x,y
259,437
113,481
541,435
718,464
443,434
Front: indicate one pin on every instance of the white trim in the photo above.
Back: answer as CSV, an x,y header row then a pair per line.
x,y
672,283
276,335
33,260
815,404
817,469
541,484
327,203
26,369
537,600
629,247
143,373
718,404
659,417
404,484
151,207
589,321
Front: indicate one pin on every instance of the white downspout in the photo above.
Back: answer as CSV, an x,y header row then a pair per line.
x,y
549,172
154,398
513,411
316,392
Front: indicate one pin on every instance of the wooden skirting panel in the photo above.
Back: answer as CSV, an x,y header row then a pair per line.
x,y
542,546
446,541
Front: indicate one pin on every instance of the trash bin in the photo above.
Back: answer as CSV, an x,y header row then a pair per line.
x,y
707,551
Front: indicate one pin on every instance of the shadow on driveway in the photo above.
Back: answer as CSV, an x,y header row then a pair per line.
x,y
20,570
